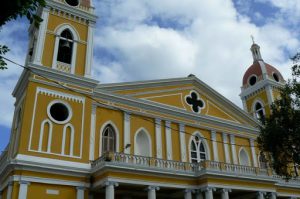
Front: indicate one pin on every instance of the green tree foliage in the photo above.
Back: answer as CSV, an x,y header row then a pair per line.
x,y
280,135
12,9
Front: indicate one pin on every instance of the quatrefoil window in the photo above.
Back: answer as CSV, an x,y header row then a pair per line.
x,y
195,102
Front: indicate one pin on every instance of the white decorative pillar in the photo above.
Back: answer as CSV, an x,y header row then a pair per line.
x,y
261,195
80,192
225,193
110,190
92,136
199,194
9,190
254,157
182,142
126,132
209,192
188,194
158,138
168,140
39,46
272,195
215,146
23,189
89,50
152,192
226,150
233,149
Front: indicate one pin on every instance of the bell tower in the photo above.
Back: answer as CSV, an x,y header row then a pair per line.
x,y
261,83
64,39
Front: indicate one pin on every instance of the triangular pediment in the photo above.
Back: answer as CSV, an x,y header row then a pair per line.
x,y
185,94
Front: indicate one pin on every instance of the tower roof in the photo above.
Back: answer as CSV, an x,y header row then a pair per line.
x,y
260,70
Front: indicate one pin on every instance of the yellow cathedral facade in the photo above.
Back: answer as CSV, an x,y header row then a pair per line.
x,y
74,138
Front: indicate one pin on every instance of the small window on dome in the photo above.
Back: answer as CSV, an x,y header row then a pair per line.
x,y
275,76
252,80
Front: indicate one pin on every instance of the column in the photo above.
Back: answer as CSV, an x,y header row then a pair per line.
x,y
199,194
89,50
233,149
92,136
209,192
226,150
168,140
80,192
9,190
261,195
188,194
272,195
126,132
23,189
225,193
152,192
215,146
110,190
158,138
182,142
254,157
39,46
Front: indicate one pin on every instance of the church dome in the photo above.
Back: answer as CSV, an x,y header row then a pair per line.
x,y
260,70
255,73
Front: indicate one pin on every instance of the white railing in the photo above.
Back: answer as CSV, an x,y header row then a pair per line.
x,y
63,67
142,161
136,161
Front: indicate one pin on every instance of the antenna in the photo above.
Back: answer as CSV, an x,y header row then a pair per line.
x,y
252,37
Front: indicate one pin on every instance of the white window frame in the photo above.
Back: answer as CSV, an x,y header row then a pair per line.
x,y
205,144
76,38
101,133
149,139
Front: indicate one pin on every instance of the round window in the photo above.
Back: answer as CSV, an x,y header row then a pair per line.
x,y
275,76
252,80
72,2
59,112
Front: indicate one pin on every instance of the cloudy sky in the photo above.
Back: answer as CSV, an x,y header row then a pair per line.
x,y
153,39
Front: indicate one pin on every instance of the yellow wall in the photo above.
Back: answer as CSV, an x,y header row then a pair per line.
x,y
37,190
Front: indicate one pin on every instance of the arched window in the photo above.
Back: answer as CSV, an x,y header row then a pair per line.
x,y
68,140
45,136
65,47
142,144
259,111
108,139
197,149
244,158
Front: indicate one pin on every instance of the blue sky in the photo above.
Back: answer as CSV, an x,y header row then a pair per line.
x,y
152,39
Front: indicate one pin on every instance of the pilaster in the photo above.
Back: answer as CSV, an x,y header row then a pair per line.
x,y
126,132
215,146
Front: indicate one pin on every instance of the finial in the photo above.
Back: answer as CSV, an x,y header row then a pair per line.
x,y
252,37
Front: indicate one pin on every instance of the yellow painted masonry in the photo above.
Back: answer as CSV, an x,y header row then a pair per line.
x,y
261,96
49,191
32,122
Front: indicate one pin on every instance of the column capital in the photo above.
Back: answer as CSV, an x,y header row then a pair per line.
x,y
150,187
225,140
259,193
232,139
81,188
168,124
213,135
157,121
10,183
189,191
24,182
208,189
225,190
252,142
111,183
126,116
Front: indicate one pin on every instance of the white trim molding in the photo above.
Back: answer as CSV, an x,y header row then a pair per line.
x,y
117,135
205,143
226,149
126,132
168,140
233,149
158,138
182,142
72,132
242,149
46,121
215,145
23,189
93,131
89,50
254,157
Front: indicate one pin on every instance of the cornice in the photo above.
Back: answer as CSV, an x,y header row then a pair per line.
x,y
160,108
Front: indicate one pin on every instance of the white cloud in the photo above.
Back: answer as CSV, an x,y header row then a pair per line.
x,y
151,39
